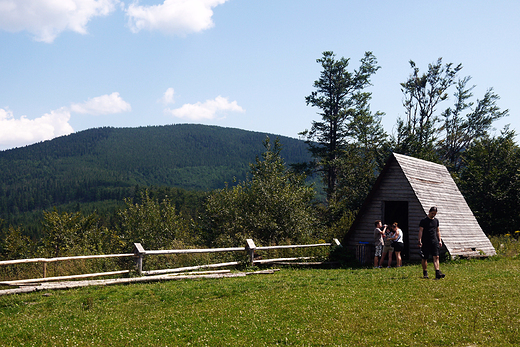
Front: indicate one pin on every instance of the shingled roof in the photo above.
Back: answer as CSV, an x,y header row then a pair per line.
x,y
422,184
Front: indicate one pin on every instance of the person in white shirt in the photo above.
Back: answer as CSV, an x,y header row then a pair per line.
x,y
397,243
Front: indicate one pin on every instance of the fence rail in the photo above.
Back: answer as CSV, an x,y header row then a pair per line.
x,y
295,246
188,251
140,253
52,260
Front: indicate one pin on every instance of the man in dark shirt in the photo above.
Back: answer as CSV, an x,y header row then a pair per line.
x,y
430,242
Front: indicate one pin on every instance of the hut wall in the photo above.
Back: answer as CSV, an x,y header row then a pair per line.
x,y
393,187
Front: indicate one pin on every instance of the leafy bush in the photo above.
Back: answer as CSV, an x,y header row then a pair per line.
x,y
272,207
507,245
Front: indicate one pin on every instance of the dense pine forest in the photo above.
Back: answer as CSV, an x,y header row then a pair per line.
x,y
97,168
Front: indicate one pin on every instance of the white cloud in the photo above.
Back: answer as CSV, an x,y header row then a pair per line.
x,y
167,98
105,104
20,132
46,19
205,111
173,17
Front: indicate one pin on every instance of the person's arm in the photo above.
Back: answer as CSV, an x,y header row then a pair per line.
x,y
420,236
439,236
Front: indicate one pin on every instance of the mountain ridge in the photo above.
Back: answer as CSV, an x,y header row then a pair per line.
x,y
107,163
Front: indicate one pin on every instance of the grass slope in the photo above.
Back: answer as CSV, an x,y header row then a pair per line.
x,y
475,305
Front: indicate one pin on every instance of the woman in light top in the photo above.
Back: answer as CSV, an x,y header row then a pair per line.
x,y
397,243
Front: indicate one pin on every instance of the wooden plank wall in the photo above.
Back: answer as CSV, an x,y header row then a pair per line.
x,y
393,187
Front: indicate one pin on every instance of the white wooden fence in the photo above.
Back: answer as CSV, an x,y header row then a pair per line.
x,y
140,253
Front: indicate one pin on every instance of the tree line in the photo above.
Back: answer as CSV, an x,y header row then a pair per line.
x,y
103,166
443,123
274,203
273,206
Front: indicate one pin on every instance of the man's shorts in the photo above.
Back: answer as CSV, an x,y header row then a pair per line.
x,y
428,249
379,250
387,249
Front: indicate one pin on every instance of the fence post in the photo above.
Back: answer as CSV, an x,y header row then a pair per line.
x,y
250,247
139,253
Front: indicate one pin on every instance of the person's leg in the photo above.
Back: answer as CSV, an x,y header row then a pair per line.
x,y
438,273
424,263
425,254
377,255
382,259
390,258
398,259
436,262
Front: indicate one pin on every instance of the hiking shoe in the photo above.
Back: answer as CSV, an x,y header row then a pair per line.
x,y
425,274
439,275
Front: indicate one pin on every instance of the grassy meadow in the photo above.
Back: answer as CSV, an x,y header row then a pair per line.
x,y
477,304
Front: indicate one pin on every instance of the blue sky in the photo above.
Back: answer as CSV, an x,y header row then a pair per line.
x,y
71,65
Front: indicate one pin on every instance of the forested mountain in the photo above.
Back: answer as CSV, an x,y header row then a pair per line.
x,y
108,163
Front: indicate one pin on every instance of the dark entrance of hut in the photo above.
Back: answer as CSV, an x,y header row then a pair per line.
x,y
397,211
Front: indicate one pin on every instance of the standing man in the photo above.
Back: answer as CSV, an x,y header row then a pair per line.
x,y
378,241
430,242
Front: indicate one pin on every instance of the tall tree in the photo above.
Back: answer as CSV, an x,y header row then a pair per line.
x,y
466,122
490,182
425,134
341,97
417,134
272,207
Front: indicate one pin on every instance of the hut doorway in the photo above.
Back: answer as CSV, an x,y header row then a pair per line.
x,y
397,211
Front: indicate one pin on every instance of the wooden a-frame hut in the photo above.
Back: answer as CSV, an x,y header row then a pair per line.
x,y
404,192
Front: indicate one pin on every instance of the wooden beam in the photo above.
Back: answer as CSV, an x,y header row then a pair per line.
x,y
274,260
189,251
51,260
182,269
60,278
294,246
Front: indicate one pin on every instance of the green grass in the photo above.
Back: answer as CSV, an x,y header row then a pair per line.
x,y
477,304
